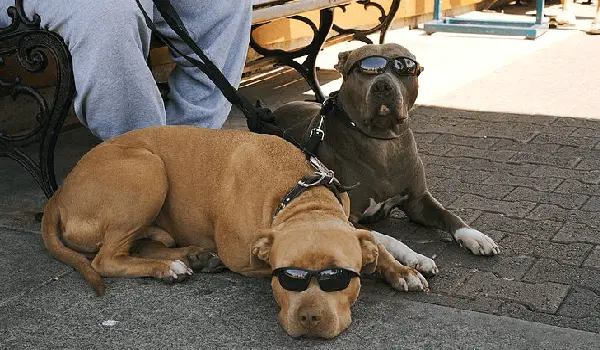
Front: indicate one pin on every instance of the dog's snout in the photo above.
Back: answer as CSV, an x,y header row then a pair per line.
x,y
383,87
309,318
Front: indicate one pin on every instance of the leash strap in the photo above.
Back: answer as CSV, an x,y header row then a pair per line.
x,y
258,118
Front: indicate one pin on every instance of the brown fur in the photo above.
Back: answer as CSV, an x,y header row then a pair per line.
x,y
130,199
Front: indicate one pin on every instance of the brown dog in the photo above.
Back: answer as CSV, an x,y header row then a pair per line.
x,y
368,141
132,199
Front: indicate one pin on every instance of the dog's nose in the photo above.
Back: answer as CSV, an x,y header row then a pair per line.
x,y
309,318
383,87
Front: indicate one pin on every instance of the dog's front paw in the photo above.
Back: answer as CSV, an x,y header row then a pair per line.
x,y
406,279
205,262
476,242
424,265
178,272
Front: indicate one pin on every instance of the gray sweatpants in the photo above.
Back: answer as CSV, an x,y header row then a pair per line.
x,y
109,43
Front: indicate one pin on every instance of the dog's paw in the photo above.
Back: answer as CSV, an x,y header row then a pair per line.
x,y
406,279
205,262
424,265
178,272
476,242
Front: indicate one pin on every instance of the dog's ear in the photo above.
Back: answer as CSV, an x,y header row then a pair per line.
x,y
370,252
342,59
261,248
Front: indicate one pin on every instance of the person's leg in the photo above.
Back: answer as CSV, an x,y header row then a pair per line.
x,y
109,43
595,28
567,15
222,30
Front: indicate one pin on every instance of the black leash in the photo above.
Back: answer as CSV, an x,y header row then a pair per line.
x,y
258,118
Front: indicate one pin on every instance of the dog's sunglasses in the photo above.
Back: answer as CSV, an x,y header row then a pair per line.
x,y
330,280
378,65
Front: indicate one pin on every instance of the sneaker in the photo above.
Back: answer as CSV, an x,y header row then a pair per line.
x,y
565,19
594,29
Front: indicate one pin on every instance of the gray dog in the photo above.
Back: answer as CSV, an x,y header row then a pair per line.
x,y
368,141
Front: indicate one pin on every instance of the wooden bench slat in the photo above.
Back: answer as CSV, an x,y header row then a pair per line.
x,y
290,8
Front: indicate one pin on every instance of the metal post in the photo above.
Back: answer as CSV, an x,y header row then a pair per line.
x,y
437,9
539,11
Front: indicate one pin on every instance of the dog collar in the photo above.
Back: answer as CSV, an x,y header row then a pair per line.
x,y
321,177
332,103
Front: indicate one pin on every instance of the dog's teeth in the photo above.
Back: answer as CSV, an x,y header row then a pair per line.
x,y
384,110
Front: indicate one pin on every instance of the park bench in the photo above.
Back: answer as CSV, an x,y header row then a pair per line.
x,y
32,45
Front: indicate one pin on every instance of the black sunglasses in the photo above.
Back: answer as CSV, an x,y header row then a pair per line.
x,y
330,280
378,65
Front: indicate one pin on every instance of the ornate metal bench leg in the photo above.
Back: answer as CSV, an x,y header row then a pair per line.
x,y
385,20
25,39
388,20
307,68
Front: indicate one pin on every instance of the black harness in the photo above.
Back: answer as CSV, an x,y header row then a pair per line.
x,y
322,177
259,119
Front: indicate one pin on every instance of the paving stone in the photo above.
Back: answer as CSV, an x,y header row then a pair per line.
x,y
540,183
580,303
546,270
470,176
475,142
544,171
593,204
434,148
462,151
425,137
489,117
556,213
512,145
487,191
543,297
450,279
479,304
541,229
572,254
504,265
518,169
589,164
585,132
434,181
467,215
574,186
578,232
497,236
445,197
515,310
567,201
578,123
565,139
545,159
516,209
471,128
593,260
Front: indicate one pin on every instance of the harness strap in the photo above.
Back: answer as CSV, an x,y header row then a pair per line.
x,y
321,177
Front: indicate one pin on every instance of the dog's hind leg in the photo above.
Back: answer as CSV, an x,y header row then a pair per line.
x,y
379,211
429,212
198,258
113,260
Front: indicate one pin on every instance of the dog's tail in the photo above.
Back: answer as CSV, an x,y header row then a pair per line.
x,y
50,223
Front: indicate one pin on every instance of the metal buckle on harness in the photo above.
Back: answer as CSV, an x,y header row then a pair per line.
x,y
318,181
318,130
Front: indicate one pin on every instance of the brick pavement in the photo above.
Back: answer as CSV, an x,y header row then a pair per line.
x,y
533,184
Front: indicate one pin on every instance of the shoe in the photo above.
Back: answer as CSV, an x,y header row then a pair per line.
x,y
565,19
594,29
